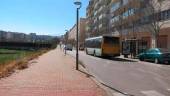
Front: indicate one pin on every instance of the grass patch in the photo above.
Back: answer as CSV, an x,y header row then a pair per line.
x,y
7,56
16,59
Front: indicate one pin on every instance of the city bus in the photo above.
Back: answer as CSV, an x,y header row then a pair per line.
x,y
103,46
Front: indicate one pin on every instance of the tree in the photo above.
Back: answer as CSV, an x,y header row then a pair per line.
x,y
156,23
65,38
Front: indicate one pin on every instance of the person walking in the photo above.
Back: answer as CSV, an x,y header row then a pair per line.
x,y
65,49
60,45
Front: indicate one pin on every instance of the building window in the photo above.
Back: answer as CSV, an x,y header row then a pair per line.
x,y
115,6
125,14
115,19
102,16
125,2
131,11
166,14
100,26
145,20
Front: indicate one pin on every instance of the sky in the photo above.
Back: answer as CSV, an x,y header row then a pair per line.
x,y
43,17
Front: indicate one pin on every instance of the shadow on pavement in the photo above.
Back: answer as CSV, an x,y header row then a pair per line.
x,y
164,64
118,59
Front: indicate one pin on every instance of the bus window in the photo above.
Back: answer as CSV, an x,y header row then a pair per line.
x,y
109,40
97,43
88,43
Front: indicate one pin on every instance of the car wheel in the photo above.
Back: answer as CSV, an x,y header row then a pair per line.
x,y
169,63
141,59
156,61
125,56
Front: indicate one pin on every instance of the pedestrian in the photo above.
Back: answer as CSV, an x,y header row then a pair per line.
x,y
60,45
65,49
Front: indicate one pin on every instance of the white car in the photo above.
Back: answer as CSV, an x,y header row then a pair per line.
x,y
69,47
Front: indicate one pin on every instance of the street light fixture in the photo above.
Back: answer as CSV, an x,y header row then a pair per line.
x,y
78,5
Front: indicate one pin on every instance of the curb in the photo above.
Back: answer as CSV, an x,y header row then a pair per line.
x,y
109,90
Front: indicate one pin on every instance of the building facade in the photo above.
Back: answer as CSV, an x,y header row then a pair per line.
x,y
72,33
98,17
22,37
82,32
130,19
136,19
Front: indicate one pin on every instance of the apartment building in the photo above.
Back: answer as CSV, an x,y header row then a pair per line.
x,y
130,19
2,35
12,36
133,19
22,37
98,16
72,34
82,32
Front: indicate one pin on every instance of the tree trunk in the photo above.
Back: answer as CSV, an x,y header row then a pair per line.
x,y
154,42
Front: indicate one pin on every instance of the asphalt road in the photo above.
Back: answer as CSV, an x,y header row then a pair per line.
x,y
133,77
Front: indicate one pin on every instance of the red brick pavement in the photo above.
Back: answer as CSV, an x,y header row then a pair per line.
x,y
53,74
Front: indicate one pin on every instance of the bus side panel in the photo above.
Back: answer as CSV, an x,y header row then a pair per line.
x,y
98,51
90,51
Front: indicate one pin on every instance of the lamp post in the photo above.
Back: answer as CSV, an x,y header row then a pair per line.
x,y
78,5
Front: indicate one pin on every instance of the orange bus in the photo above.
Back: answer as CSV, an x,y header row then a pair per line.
x,y
103,46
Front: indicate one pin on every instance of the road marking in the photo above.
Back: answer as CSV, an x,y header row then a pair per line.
x,y
168,89
152,93
118,94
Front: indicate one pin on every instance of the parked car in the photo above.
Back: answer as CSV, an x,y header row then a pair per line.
x,y
81,47
69,47
158,55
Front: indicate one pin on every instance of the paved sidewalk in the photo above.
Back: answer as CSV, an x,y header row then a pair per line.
x,y
53,74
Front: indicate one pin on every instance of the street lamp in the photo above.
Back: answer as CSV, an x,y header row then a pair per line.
x,y
78,5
